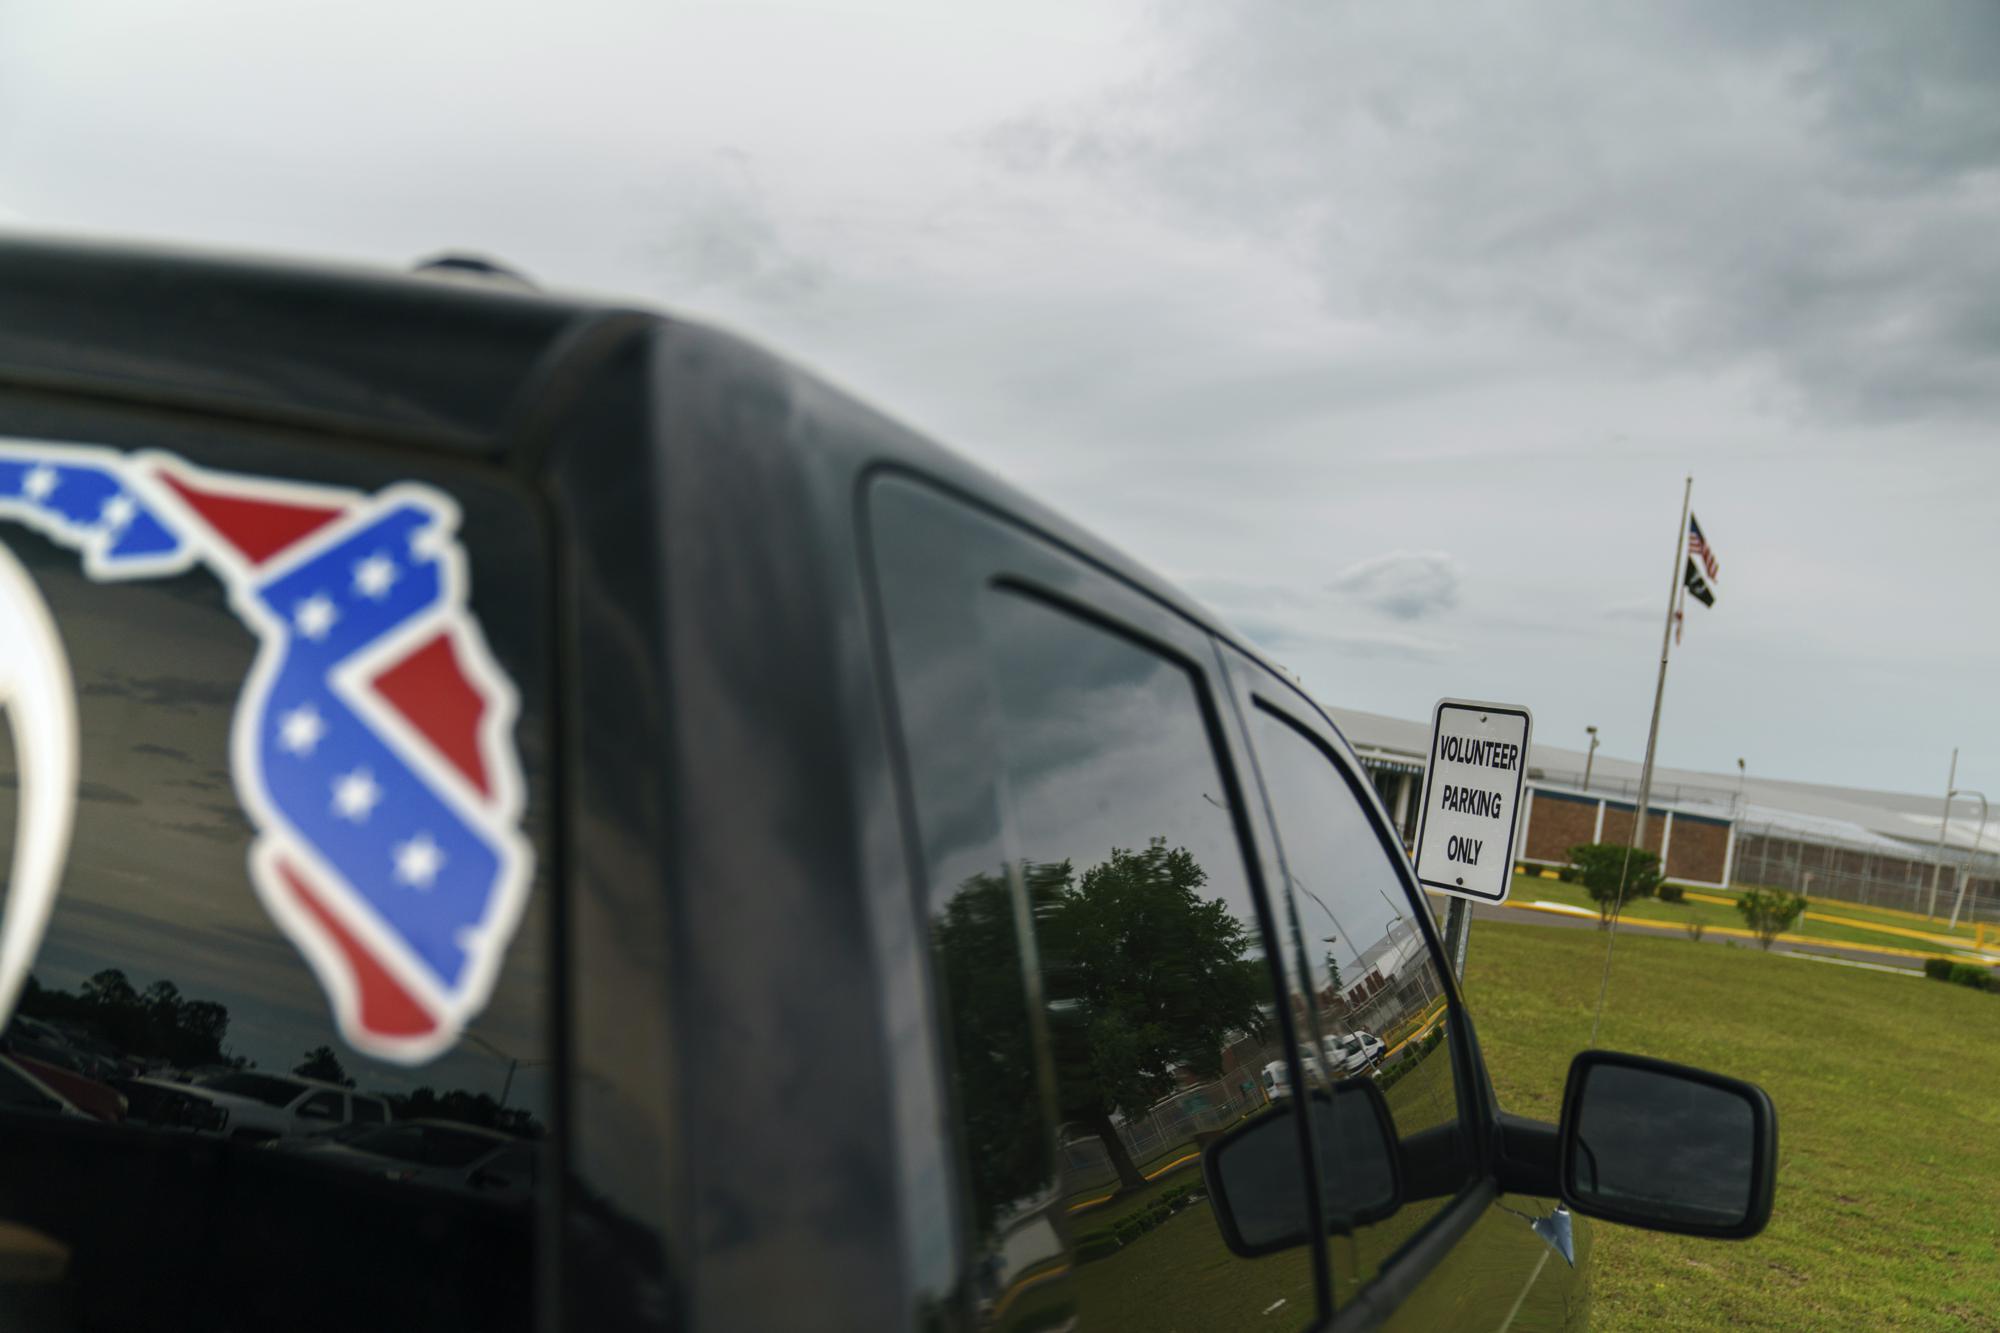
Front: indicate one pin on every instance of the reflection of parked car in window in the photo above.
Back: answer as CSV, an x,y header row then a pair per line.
x,y
1356,1051
162,1104
1277,1076
442,1154
74,1051
275,1106
93,1098
20,1090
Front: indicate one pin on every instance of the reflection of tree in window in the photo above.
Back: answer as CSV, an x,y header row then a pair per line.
x,y
1145,978
1006,1147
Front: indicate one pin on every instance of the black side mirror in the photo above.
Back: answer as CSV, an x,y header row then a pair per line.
x,y
1258,1192
1666,1147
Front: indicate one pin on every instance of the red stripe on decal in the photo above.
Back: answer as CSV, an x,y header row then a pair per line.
x,y
430,689
387,1010
258,528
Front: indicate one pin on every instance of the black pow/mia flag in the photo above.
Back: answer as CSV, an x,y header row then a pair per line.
x,y
1697,586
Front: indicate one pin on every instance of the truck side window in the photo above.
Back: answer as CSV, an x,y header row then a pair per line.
x,y
1159,995
1372,971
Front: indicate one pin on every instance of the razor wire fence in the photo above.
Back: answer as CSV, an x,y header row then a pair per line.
x,y
1868,875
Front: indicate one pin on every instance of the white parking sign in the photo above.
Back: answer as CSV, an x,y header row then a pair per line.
x,y
1472,798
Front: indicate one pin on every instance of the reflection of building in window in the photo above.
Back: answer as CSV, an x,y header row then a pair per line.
x,y
1390,979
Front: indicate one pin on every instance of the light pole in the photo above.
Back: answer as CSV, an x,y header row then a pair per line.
x,y
1977,838
1589,755
514,1063
1741,773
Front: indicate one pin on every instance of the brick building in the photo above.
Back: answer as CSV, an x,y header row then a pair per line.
x,y
1699,842
1890,849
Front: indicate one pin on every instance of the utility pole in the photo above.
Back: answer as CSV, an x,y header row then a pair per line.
x,y
1963,873
1589,755
1660,689
1741,774
1944,822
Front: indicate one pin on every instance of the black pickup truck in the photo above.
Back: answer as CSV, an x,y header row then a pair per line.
x,y
762,872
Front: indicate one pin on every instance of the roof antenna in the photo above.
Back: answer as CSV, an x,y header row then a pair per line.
x,y
472,268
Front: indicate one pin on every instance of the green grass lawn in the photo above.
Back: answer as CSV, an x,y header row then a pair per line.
x,y
1529,888
1888,1097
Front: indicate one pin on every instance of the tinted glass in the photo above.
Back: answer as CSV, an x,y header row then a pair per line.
x,y
1659,1146
368,1111
404,1143
167,956
1372,970
321,1106
1161,1003
257,1087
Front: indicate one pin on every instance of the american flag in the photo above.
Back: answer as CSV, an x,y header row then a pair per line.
x,y
1698,547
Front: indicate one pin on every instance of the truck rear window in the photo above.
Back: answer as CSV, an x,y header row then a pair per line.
x,y
305,800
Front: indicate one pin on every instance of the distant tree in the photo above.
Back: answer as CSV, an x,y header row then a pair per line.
x,y
1614,875
1332,971
157,1024
321,1063
1770,912
467,1108
110,990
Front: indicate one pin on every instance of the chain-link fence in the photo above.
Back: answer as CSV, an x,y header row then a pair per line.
x,y
1873,876
1157,1137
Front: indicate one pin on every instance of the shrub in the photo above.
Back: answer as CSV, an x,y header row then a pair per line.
x,y
1613,875
1567,874
1093,1245
1973,975
1695,930
1770,912
1672,893
1938,969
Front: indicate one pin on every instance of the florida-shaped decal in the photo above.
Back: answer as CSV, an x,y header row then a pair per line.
x,y
372,746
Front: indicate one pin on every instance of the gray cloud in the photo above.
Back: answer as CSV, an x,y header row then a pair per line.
x,y
104,794
724,233
1407,585
1698,189
178,693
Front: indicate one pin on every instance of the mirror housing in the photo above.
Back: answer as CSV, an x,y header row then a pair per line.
x,y
1256,1189
1667,1147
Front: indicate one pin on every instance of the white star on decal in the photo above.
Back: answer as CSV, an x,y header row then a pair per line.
x,y
315,616
300,730
41,479
355,795
429,543
374,576
418,862
117,512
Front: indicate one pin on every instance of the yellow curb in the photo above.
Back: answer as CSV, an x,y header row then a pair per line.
x,y
1182,1160
1022,1284
1929,937
1732,931
1978,928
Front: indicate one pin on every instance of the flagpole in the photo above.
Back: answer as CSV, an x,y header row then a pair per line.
x,y
1646,772
1660,689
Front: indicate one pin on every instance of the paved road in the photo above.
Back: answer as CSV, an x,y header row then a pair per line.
x,y
1530,917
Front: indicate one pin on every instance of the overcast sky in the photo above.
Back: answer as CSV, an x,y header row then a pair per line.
x,y
1390,331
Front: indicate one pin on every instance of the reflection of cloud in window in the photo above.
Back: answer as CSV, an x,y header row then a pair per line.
x,y
1106,748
